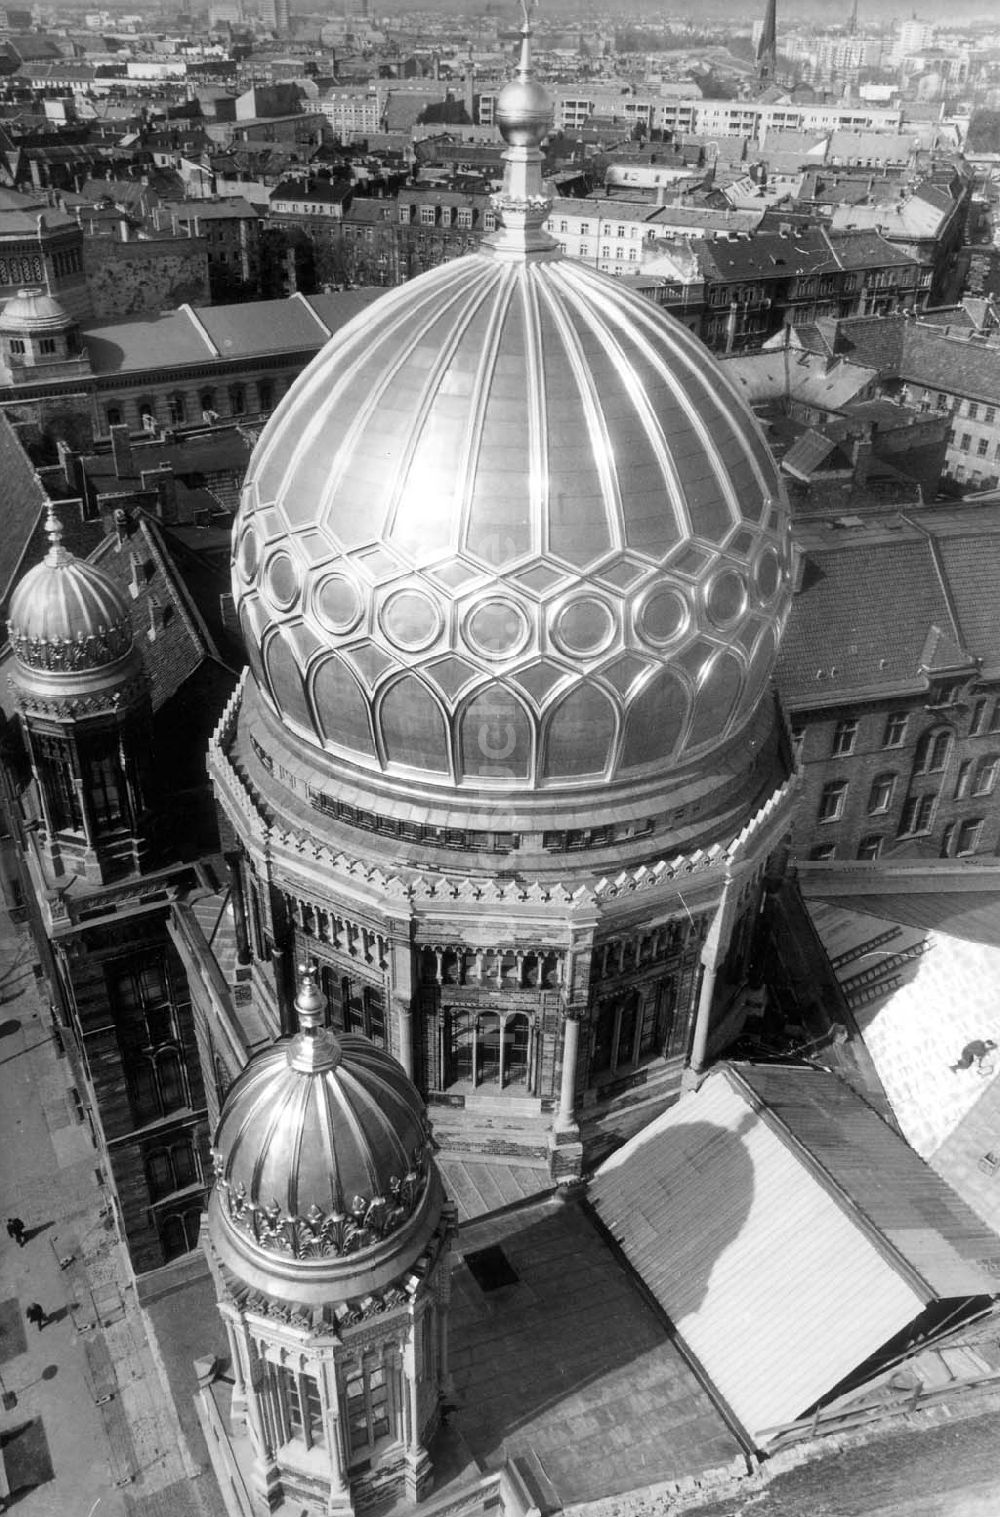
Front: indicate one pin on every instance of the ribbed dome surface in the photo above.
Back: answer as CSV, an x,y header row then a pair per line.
x,y
67,615
512,523
321,1156
34,311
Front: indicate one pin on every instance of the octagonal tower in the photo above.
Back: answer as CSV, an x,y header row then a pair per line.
x,y
328,1241
512,565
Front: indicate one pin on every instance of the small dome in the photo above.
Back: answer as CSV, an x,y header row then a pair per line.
x,y
323,1165
66,616
34,311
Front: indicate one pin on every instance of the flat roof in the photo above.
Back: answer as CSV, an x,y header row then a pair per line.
x,y
570,1368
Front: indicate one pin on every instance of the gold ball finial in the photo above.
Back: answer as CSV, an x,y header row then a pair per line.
x,y
524,109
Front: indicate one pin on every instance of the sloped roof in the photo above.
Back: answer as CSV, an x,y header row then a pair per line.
x,y
919,994
779,374
808,452
241,330
782,1265
882,641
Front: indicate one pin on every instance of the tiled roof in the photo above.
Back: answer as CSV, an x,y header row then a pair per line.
x,y
782,1264
846,636
24,501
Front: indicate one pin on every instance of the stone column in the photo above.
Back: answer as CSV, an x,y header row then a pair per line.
x,y
565,1146
567,1088
714,950
238,897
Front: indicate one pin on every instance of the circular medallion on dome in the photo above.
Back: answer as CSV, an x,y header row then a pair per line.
x,y
726,598
410,620
248,555
282,581
337,603
662,616
586,625
497,628
767,574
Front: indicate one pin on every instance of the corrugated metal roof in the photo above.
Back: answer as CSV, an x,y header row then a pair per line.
x,y
771,1278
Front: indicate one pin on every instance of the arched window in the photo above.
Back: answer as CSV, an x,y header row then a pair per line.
x,y
55,775
114,416
171,1082
176,408
147,416
880,795
237,399
265,395
160,1174
105,788
179,1232
933,750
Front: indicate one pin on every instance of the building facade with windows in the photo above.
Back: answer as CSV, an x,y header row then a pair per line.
x,y
890,674
100,868
946,363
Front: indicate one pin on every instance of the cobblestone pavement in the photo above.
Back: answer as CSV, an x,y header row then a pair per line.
x,y
87,1423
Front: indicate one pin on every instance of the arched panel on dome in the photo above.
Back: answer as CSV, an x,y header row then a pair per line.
x,y
494,736
252,636
285,681
655,722
342,714
499,528
579,734
715,700
760,668
579,529
413,727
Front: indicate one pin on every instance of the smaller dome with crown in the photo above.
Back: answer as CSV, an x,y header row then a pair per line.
x,y
34,311
325,1186
66,616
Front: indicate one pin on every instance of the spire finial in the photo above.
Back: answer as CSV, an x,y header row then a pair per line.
x,y
310,1003
314,1047
524,115
57,554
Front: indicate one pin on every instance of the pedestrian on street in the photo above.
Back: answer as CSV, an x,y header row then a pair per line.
x,y
16,1230
37,1314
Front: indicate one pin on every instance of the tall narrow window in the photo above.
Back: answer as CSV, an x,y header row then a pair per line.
x,y
844,737
301,1406
880,795
832,799
932,751
104,787
895,730
369,1410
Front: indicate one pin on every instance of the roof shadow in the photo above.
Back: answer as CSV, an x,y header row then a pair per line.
x,y
550,1364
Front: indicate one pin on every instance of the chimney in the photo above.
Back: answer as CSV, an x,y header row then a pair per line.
x,y
162,481
121,451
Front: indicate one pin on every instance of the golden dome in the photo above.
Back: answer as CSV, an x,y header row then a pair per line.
x,y
68,620
324,1175
512,530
